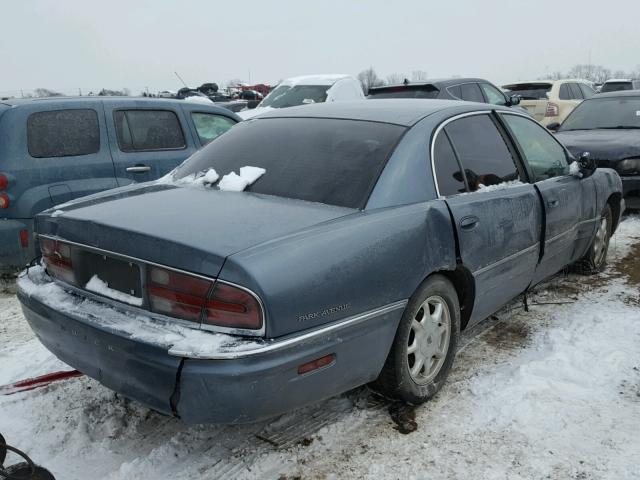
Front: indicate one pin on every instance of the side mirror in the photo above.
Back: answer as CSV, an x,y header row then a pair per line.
x,y
584,166
514,100
251,104
554,126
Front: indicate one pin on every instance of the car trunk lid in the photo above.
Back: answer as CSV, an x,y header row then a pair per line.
x,y
188,228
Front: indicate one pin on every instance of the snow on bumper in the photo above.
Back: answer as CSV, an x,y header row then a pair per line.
x,y
200,376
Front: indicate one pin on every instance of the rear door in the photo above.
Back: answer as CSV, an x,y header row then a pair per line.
x,y
147,139
498,220
568,201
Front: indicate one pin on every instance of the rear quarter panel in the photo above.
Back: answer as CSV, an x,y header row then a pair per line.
x,y
346,266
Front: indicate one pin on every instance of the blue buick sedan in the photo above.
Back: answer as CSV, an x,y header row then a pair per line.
x,y
372,234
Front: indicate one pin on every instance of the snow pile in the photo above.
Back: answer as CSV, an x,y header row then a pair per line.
x,y
233,182
137,326
96,285
499,186
198,99
57,213
574,169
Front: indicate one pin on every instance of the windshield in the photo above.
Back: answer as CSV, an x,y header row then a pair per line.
x,y
421,91
285,96
330,161
529,91
616,86
615,112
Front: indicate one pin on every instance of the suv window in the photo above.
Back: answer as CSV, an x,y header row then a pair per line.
x,y
455,91
542,152
587,91
448,171
63,133
482,151
565,93
576,93
210,126
493,95
144,130
471,92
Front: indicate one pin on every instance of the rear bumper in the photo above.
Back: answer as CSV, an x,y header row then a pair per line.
x,y
13,256
631,191
246,385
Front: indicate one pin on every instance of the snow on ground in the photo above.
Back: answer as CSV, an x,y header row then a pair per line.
x,y
550,393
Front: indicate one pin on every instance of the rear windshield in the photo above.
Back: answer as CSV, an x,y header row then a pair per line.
x,y
408,91
287,96
330,161
529,91
614,113
616,86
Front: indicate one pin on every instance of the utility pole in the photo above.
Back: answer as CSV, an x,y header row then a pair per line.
x,y
79,91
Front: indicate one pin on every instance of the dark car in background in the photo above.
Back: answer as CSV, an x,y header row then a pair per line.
x,y
468,89
608,126
58,149
377,232
620,84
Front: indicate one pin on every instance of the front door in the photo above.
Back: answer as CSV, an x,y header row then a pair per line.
x,y
497,217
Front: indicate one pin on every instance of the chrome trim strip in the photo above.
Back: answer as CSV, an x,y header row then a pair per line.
x,y
570,230
211,328
276,345
435,136
506,259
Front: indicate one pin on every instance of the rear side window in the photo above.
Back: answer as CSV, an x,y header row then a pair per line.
x,y
144,130
63,133
210,126
545,156
576,93
448,172
565,93
471,92
482,151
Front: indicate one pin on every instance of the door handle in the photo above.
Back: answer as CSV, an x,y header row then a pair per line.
x,y
469,223
553,203
138,169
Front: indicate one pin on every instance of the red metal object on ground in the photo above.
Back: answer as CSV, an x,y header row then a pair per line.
x,y
37,382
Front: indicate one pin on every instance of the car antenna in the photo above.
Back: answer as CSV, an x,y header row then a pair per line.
x,y
180,78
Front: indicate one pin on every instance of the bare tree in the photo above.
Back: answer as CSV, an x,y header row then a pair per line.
x,y
593,73
395,78
419,76
369,78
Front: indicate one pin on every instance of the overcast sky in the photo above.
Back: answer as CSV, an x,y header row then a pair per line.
x,y
69,44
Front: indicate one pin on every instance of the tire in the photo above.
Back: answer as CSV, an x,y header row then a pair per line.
x,y
595,259
433,342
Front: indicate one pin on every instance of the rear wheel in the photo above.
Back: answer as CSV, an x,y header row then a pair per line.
x,y
425,343
595,259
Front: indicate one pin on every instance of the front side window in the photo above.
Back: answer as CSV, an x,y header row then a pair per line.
x,y
331,161
494,96
482,151
63,133
285,96
587,91
448,172
471,92
544,155
148,130
210,126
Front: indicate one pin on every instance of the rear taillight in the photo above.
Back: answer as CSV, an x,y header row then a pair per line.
x,y
24,238
57,259
4,200
196,299
4,182
552,110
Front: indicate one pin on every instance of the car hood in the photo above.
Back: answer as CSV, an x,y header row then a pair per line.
x,y
191,228
606,146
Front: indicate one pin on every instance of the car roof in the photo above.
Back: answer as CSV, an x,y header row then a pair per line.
x,y
439,83
155,101
620,93
399,111
319,79
614,80
548,82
